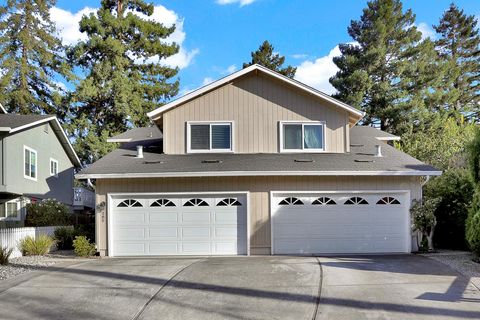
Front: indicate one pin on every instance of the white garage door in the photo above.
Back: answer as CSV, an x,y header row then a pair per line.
x,y
178,225
334,223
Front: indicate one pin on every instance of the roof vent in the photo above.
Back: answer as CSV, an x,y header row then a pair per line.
x,y
356,145
211,161
139,152
363,160
378,151
304,160
153,162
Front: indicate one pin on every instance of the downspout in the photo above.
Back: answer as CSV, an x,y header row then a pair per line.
x,y
89,182
426,180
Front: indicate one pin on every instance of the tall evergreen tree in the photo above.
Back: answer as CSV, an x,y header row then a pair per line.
x,y
459,48
266,57
124,75
389,70
31,56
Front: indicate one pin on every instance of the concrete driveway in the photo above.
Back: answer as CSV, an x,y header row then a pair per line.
x,y
381,287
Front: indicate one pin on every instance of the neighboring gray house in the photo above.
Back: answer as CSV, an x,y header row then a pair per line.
x,y
37,162
255,163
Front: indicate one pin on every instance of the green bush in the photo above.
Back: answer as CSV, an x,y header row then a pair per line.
x,y
5,254
39,246
47,212
455,188
64,237
473,225
83,247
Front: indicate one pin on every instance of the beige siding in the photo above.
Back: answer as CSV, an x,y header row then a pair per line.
x,y
256,104
259,188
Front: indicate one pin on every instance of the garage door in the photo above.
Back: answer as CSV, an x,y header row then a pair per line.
x,y
178,225
334,223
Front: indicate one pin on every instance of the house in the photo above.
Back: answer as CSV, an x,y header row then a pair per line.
x,y
37,162
255,163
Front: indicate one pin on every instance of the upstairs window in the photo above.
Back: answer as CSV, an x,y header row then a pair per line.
x,y
53,167
302,136
30,163
209,137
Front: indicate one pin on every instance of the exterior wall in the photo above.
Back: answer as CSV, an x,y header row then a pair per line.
x,y
256,104
259,188
47,146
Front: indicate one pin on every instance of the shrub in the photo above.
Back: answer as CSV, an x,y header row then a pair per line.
x,y
455,188
473,225
83,247
424,220
47,212
40,246
5,254
64,237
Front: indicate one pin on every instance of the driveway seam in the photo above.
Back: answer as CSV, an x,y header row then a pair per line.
x,y
142,310
319,293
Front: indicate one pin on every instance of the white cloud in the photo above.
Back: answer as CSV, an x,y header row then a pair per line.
x,y
67,24
317,73
206,81
426,30
68,28
240,2
299,56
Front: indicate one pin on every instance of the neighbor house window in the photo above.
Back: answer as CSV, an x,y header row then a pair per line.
x,y
10,210
302,136
53,167
209,137
30,163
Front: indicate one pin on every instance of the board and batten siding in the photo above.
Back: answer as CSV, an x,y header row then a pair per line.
x,y
256,104
259,188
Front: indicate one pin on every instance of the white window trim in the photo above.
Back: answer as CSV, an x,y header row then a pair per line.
x,y
19,213
232,130
303,150
36,163
52,174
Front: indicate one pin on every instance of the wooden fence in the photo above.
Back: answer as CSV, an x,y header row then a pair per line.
x,y
10,237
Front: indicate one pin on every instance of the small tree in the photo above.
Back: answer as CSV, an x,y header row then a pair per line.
x,y
424,220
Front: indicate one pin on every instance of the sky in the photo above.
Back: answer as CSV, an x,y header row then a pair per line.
x,y
217,36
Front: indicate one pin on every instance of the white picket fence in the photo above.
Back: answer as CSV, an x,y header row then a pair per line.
x,y
10,237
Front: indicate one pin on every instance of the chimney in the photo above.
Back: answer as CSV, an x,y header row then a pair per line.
x,y
378,151
139,152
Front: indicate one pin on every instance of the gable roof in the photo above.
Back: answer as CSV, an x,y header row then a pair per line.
x,y
138,134
361,161
374,132
155,114
12,123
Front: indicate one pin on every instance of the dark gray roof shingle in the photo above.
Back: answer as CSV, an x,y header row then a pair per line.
x,y
360,159
14,121
138,134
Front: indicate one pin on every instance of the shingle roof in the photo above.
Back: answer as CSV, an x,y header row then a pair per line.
x,y
360,161
138,134
14,121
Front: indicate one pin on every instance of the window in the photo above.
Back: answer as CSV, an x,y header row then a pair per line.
x,y
162,203
10,210
356,200
229,202
209,137
388,200
53,167
323,201
30,163
290,201
129,203
195,203
302,136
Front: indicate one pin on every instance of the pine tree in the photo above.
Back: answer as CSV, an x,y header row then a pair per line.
x,y
124,75
388,71
265,56
31,57
459,49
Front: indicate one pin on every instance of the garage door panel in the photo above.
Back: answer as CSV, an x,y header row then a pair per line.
x,y
163,232
339,228
166,216
171,228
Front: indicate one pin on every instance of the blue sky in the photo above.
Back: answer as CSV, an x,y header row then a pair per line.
x,y
217,36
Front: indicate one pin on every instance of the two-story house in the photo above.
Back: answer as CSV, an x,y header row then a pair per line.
x,y
37,162
255,163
